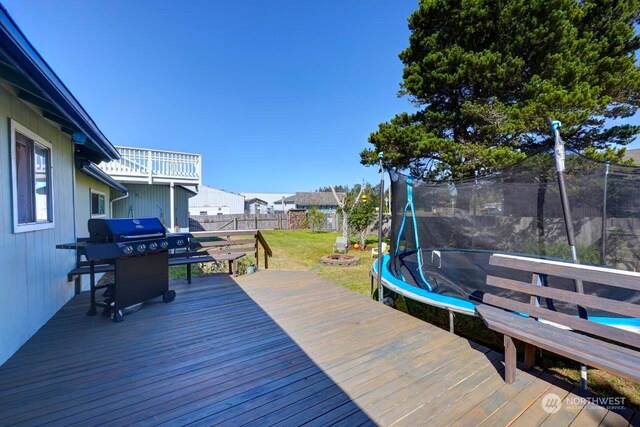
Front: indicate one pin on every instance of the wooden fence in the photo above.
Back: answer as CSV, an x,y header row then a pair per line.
x,y
238,222
291,220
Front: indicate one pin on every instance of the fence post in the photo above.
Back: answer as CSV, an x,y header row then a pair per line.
x,y
256,221
235,223
279,222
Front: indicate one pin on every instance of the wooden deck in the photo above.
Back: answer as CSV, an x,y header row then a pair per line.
x,y
270,348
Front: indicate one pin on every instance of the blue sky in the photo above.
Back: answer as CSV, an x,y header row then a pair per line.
x,y
276,95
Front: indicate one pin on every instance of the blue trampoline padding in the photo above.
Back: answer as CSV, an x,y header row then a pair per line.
x,y
468,307
454,303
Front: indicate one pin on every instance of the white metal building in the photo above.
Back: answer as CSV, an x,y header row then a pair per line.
x,y
214,201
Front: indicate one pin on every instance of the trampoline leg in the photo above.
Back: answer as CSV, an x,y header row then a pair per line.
x,y
451,318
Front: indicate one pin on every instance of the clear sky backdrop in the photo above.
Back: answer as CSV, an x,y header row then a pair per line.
x,y
276,95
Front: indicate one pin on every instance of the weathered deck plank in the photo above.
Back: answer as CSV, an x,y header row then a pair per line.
x,y
271,348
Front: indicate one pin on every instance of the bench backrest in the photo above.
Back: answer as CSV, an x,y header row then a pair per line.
x,y
541,268
233,242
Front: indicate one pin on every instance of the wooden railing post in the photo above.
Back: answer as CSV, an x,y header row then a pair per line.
x,y
256,237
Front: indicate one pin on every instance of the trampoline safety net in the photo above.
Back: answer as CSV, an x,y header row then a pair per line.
x,y
443,233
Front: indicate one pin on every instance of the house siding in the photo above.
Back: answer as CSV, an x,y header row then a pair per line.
x,y
34,273
84,185
153,201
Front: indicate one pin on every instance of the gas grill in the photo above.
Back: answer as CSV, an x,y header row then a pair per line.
x,y
138,248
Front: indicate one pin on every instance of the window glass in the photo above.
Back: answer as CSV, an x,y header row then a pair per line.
x,y
97,204
33,181
24,179
41,182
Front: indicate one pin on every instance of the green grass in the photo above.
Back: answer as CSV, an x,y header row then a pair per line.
x,y
302,250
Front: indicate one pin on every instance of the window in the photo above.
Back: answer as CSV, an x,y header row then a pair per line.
x,y
98,199
31,180
203,212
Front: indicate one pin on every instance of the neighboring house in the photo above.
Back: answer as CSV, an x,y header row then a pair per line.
x,y
49,184
256,206
270,198
214,201
325,202
288,203
159,184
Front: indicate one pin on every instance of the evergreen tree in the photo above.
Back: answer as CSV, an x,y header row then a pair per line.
x,y
485,74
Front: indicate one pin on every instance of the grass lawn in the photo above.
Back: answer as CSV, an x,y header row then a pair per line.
x,y
302,250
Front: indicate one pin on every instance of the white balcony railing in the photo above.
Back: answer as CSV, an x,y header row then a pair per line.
x,y
147,165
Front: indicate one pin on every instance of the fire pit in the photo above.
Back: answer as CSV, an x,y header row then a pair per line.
x,y
342,260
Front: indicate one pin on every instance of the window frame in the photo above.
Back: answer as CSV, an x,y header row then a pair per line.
x,y
93,191
18,227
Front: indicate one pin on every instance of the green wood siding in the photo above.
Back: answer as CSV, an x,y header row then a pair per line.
x,y
153,201
84,185
34,284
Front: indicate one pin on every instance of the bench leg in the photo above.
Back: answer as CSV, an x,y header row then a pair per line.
x,y
529,356
234,270
189,273
230,269
510,360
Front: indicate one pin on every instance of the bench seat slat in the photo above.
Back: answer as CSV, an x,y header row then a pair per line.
x,y
608,305
588,273
562,335
625,356
581,348
576,323
231,250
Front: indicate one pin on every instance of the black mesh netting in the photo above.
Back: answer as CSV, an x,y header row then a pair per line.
x,y
457,225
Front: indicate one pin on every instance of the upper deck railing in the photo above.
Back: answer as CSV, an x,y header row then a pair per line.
x,y
155,166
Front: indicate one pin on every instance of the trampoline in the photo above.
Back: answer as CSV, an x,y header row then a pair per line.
x,y
444,232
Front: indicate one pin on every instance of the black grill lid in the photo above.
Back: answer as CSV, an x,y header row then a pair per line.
x,y
111,230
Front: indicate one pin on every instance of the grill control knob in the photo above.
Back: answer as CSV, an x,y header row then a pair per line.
x,y
180,242
164,244
141,247
153,246
127,249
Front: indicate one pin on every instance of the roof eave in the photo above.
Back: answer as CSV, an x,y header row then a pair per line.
x,y
98,174
29,62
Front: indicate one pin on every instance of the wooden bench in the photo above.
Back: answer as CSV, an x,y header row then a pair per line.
x,y
229,244
522,321
197,253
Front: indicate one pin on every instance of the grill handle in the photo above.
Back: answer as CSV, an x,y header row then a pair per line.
x,y
143,236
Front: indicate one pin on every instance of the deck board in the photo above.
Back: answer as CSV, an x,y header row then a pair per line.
x,y
272,348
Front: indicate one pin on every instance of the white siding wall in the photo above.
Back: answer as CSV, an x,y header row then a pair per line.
x,y
34,280
218,210
213,198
